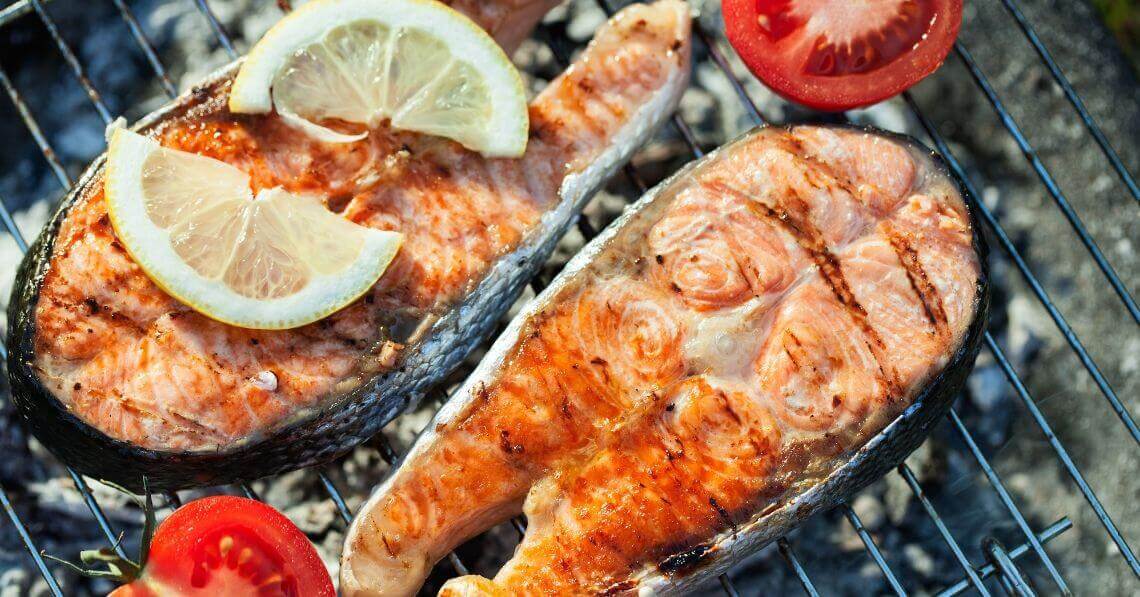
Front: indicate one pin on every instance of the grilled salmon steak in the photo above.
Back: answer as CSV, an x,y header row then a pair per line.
x,y
706,373
122,380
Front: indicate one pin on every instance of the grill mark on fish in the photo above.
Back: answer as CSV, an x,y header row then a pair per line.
x,y
723,514
796,148
387,545
928,294
577,95
506,445
797,357
728,407
797,223
190,425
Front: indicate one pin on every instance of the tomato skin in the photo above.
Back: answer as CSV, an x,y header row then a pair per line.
x,y
135,589
788,75
183,559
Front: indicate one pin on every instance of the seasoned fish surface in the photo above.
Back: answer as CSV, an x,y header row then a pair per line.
x,y
138,367
714,355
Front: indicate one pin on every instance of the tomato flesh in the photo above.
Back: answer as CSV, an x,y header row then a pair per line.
x,y
840,54
225,546
236,558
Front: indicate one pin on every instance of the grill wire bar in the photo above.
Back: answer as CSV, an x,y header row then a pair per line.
x,y
999,355
986,571
873,549
686,133
219,31
14,230
147,48
963,561
789,555
29,544
73,62
1063,455
1007,501
1035,284
34,128
1047,179
1074,99
97,511
1011,578
337,498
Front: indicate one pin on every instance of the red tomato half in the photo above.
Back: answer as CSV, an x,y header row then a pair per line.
x,y
224,546
841,54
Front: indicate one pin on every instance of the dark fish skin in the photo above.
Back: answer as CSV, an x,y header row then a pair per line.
x,y
351,416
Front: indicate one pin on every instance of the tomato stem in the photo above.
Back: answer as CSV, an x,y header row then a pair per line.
x,y
118,568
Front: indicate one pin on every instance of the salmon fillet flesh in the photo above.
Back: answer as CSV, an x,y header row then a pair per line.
x,y
140,367
716,352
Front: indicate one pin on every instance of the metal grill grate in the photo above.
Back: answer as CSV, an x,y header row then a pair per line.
x,y
1000,562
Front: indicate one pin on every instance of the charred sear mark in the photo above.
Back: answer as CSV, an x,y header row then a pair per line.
x,y
507,446
337,203
794,348
685,561
919,281
819,167
727,406
388,546
624,586
722,513
794,218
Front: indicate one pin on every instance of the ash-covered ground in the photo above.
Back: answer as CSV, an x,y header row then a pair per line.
x,y
830,551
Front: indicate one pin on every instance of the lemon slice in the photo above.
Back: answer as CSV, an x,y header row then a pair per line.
x,y
273,261
417,63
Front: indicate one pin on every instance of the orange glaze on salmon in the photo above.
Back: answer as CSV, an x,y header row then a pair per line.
x,y
140,367
762,316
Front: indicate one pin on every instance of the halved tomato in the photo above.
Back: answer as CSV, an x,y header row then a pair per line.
x,y
841,54
225,546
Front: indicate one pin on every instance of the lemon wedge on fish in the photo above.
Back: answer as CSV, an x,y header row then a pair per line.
x,y
273,260
416,64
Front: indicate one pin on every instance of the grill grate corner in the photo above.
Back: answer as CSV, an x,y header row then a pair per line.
x,y
1000,562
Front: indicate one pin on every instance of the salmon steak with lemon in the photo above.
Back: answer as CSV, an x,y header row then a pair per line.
x,y
759,336
261,275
